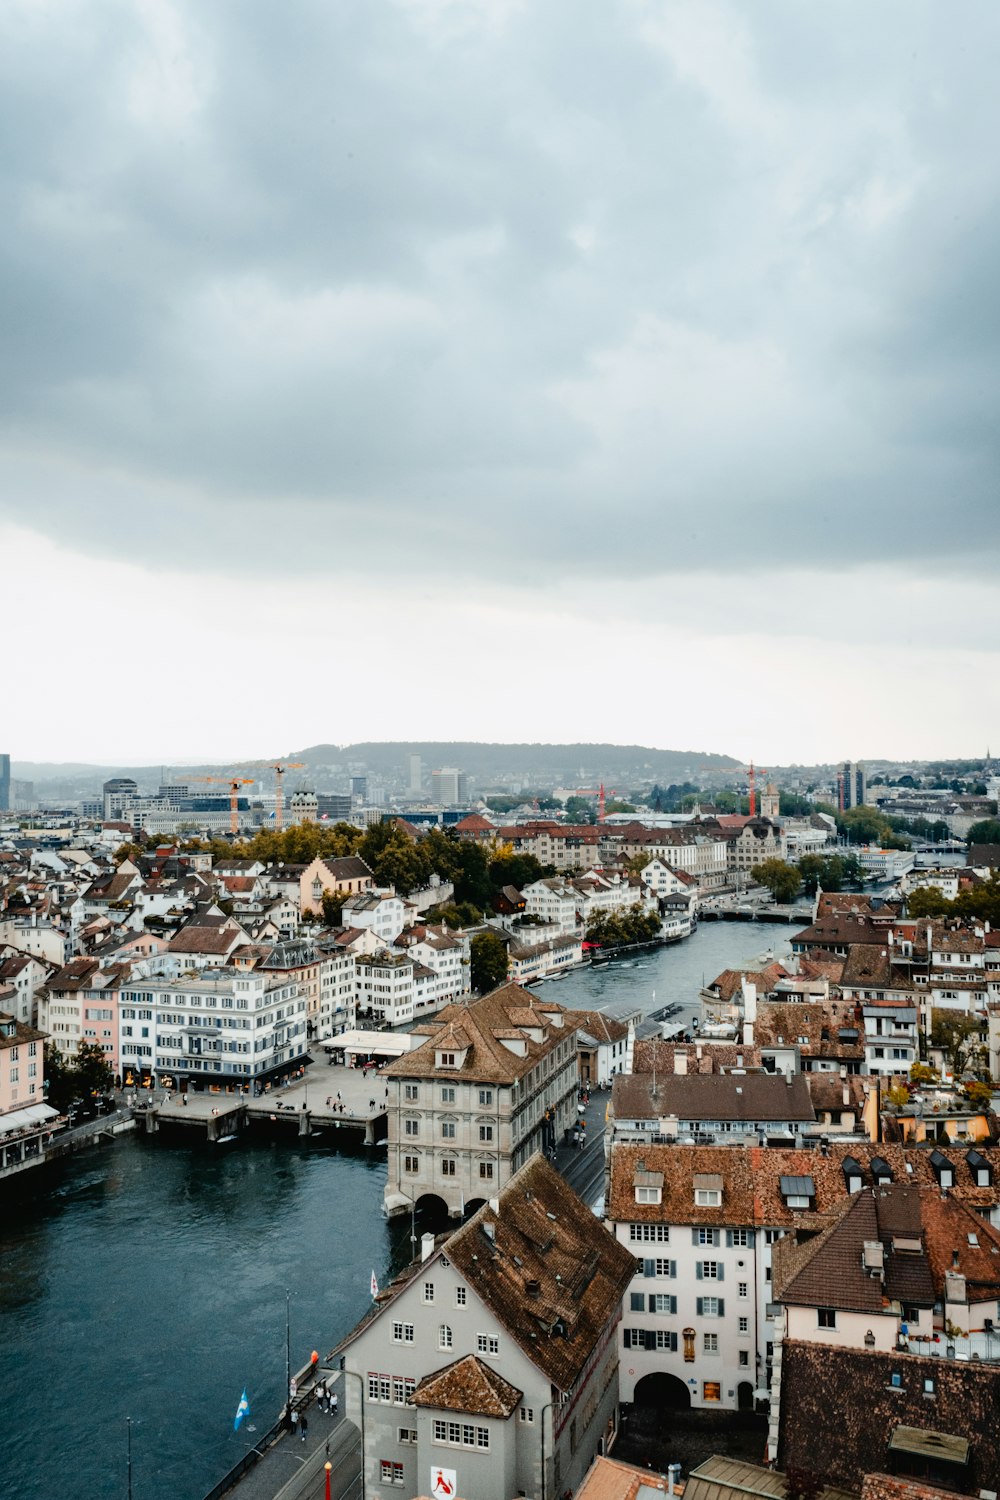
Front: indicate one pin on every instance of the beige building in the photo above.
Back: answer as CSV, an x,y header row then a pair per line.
x,y
495,1081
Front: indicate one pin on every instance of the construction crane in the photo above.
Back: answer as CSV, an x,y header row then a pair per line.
x,y
279,797
233,783
751,772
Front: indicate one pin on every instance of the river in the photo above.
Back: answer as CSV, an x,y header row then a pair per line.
x,y
146,1279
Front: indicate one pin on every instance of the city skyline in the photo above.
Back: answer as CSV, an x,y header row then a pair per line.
x,y
640,358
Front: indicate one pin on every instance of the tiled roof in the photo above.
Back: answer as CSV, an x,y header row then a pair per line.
x,y
780,1024
198,938
550,1272
716,1096
730,981
598,1026
468,1385
869,965
840,1407
702,1057
486,1023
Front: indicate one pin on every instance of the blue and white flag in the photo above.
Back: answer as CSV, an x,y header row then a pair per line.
x,y
243,1410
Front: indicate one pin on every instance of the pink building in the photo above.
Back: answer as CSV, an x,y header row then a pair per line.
x,y
22,1065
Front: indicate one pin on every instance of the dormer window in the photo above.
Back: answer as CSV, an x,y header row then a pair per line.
x,y
708,1190
446,1059
648,1195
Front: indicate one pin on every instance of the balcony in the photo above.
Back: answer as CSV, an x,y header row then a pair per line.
x,y
982,1347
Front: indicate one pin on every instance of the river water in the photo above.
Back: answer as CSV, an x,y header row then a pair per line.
x,y
146,1279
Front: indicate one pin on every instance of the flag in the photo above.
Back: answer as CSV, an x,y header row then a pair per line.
x,y
374,1287
243,1410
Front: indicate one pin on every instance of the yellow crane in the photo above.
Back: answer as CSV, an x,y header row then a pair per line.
x,y
233,783
279,795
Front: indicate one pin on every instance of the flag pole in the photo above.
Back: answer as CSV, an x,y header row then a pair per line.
x,y
288,1356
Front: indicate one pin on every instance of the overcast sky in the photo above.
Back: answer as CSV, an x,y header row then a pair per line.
x,y
573,369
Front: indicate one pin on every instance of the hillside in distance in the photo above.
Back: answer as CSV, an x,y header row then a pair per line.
x,y
528,763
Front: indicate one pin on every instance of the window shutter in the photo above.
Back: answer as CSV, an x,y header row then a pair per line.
x,y
650,1338
699,1306
638,1302
673,1343
650,1266
673,1268
720,1272
697,1270
694,1237
722,1307
673,1309
729,1239
751,1238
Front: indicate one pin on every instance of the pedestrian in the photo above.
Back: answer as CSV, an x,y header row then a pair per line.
x,y
321,1396
332,1403
303,1426
328,1101
293,1417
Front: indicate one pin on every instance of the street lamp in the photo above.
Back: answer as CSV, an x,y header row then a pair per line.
x,y
328,1467
360,1379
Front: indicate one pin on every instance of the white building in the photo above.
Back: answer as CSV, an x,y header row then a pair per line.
x,y
217,1028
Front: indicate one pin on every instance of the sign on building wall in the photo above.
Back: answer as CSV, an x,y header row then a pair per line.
x,y
444,1482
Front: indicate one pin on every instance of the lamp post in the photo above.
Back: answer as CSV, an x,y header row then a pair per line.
x,y
288,1353
355,1374
328,1466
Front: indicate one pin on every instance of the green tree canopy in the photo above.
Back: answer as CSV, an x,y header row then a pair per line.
x,y
780,878
615,929
986,832
580,810
488,954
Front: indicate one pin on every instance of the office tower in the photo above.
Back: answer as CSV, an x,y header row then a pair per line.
x,y
416,766
4,783
119,794
853,784
359,788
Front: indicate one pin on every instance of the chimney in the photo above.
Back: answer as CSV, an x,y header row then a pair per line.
x,y
845,1094
426,1246
495,1206
673,1475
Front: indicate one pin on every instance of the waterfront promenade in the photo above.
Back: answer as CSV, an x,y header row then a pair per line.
x,y
293,1469
324,1098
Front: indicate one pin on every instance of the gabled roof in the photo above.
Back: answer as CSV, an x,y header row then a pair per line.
x,y
745,1097
468,1385
486,1024
552,1275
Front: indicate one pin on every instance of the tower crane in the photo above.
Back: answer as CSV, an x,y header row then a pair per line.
x,y
279,796
233,783
751,772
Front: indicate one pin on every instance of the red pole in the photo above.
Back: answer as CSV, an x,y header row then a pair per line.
x,y
328,1466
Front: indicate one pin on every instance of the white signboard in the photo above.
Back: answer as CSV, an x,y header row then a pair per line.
x,y
444,1483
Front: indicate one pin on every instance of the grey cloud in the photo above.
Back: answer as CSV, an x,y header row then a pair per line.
x,y
632,285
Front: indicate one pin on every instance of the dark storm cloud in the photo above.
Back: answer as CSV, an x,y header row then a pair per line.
x,y
673,282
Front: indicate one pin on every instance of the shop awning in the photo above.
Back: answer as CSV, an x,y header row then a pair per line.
x,y
24,1119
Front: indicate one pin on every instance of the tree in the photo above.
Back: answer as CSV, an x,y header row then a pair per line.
x,y
978,1093
580,810
488,953
781,878
986,832
619,807
927,901
616,929
472,882
922,1073
959,1037
60,1084
811,870
897,1095
92,1072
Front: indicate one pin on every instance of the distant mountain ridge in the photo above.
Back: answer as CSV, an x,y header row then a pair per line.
x,y
484,760
569,764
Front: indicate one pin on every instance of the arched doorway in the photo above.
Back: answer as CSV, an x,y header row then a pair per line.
x,y
431,1213
662,1391
744,1396
473,1206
